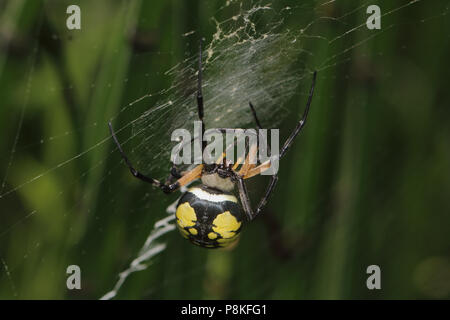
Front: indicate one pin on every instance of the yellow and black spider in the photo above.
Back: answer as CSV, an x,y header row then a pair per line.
x,y
209,215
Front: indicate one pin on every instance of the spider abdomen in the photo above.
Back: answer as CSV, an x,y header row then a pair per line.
x,y
208,217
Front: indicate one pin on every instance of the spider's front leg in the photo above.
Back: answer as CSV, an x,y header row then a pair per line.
x,y
167,187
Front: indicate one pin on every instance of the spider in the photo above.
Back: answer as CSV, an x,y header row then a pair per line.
x,y
209,214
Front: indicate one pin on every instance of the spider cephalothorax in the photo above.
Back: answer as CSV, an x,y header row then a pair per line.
x,y
209,215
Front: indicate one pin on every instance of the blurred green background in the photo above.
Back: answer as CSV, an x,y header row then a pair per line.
x,y
367,182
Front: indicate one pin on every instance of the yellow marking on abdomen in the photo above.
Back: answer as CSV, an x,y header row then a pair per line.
x,y
186,216
212,235
226,225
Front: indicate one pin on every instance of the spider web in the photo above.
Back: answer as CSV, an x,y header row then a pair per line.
x,y
256,53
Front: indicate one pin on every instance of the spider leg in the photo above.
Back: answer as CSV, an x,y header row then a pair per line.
x,y
200,95
244,197
185,179
245,200
266,165
237,164
167,188
269,190
174,174
190,176
250,161
248,165
133,171
302,122
258,170
254,115
258,124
